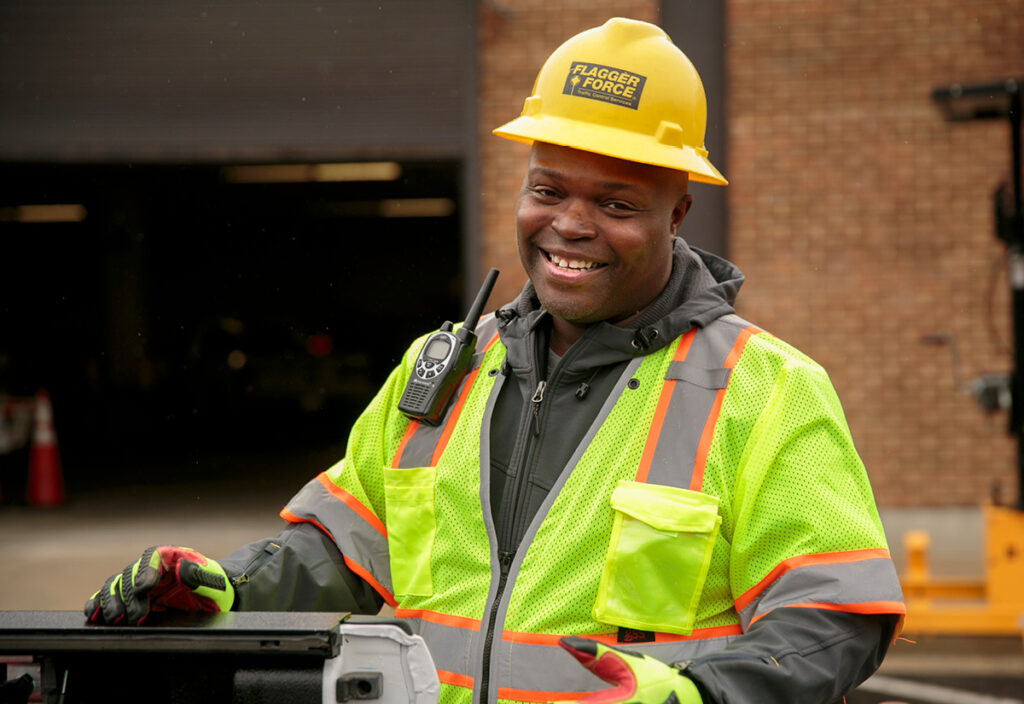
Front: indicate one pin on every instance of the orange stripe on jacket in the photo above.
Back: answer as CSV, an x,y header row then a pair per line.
x,y
455,679
364,573
368,577
353,503
659,412
409,432
862,607
704,446
472,624
824,558
530,695
453,417
612,638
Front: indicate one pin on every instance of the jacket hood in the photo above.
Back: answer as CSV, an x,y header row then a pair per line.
x,y
701,288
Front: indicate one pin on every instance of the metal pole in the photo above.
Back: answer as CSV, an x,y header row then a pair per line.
x,y
984,102
1016,251
1015,141
1017,409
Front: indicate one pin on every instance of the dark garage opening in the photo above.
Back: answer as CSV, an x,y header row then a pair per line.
x,y
178,309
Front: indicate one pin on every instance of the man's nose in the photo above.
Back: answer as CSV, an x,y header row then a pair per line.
x,y
574,222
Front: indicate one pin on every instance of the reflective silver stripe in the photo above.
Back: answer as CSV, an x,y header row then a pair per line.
x,y
702,374
486,328
419,449
713,379
450,646
549,668
358,541
855,585
485,462
477,655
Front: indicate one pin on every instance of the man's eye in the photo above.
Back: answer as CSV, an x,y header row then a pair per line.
x,y
544,192
619,206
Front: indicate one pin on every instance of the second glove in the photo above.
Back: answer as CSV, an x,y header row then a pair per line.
x,y
638,678
165,577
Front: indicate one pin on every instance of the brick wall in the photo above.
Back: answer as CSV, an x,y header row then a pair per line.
x,y
861,218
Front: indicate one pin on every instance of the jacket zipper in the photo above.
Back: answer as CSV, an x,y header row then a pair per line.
x,y
505,563
538,398
529,425
685,665
255,563
527,432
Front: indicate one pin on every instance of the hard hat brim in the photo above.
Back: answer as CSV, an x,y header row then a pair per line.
x,y
615,142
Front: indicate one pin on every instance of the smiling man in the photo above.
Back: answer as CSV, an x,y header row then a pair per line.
x,y
595,236
635,486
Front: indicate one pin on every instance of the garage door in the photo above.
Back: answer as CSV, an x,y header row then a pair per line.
x,y
279,80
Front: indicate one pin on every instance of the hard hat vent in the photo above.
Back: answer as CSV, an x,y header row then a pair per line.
x,y
532,105
670,133
621,30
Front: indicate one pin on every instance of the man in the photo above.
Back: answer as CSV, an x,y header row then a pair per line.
x,y
627,465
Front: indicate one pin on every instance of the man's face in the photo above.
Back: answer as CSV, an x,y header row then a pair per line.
x,y
595,233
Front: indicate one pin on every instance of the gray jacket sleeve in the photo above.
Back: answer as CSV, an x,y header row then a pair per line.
x,y
795,655
299,570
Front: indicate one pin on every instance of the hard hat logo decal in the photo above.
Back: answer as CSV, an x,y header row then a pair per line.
x,y
611,85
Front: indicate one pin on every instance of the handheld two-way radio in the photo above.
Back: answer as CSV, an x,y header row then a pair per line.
x,y
443,362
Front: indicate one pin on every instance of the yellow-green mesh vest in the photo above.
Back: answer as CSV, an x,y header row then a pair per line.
x,y
556,581
769,395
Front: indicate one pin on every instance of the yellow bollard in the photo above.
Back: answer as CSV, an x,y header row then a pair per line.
x,y
915,579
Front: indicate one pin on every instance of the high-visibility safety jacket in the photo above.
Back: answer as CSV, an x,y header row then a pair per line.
x,y
717,485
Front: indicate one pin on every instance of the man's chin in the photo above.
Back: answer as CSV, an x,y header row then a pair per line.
x,y
574,315
582,317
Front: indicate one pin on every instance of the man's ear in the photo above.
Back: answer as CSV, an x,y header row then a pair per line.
x,y
680,211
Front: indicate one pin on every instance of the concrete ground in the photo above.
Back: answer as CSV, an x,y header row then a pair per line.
x,y
53,559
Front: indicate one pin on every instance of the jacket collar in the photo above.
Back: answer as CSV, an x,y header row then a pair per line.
x,y
701,288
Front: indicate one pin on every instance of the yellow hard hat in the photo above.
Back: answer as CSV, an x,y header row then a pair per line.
x,y
623,90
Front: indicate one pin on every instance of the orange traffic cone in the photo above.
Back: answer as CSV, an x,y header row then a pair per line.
x,y
45,481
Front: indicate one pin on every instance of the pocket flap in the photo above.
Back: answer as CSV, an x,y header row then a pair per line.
x,y
409,484
666,508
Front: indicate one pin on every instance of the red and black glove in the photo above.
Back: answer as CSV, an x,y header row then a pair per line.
x,y
637,678
165,577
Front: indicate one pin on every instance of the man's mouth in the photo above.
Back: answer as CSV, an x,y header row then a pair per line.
x,y
571,264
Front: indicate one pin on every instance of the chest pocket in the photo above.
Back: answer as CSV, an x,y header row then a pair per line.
x,y
411,525
658,557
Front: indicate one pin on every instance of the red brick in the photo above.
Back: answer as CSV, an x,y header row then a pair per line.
x,y
862,219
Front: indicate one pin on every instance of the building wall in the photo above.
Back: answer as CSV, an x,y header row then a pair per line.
x,y
862,219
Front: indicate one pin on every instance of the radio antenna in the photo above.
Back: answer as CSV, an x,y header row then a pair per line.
x,y
473,316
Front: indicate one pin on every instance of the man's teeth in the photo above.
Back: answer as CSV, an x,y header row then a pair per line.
x,y
571,263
